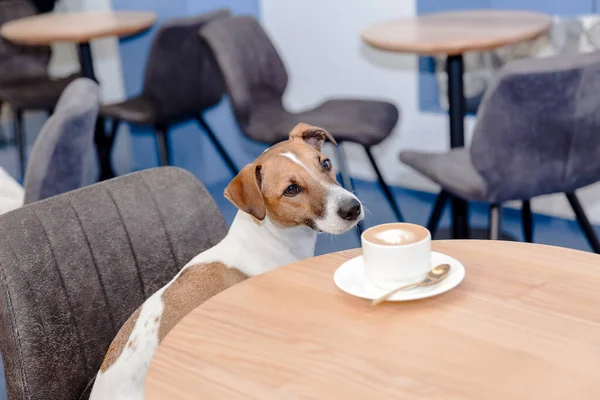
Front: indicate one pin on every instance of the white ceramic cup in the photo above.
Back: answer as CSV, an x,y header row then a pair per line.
x,y
391,265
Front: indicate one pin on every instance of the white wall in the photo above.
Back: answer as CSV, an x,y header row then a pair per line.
x,y
319,41
107,63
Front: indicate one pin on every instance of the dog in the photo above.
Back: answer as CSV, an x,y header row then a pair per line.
x,y
287,195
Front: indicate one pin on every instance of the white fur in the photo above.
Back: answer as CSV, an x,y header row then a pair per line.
x,y
252,247
331,221
270,247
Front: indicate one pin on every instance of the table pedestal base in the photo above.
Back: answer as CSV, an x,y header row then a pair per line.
x,y
103,146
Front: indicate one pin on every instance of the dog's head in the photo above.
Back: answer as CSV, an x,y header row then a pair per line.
x,y
294,184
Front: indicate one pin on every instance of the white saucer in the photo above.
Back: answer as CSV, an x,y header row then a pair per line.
x,y
351,279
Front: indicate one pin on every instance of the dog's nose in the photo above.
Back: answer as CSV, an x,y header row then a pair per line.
x,y
350,211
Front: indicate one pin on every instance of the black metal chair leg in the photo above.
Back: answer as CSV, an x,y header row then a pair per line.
x,y
386,189
527,221
346,179
20,140
584,223
162,142
495,221
436,213
104,144
4,138
116,123
220,149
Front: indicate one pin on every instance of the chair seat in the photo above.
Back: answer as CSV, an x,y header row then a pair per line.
x,y
137,110
361,121
34,94
452,170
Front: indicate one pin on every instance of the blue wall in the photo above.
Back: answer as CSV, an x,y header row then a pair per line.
x,y
428,91
190,148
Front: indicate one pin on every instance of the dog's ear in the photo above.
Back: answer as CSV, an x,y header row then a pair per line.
x,y
244,192
312,135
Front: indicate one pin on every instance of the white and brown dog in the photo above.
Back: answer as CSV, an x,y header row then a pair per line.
x,y
284,198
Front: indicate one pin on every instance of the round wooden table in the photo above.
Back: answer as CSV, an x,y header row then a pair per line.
x,y
524,324
452,34
80,27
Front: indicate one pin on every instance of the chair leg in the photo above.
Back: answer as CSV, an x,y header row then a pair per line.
x,y
215,141
495,221
527,221
162,141
346,179
436,213
386,189
584,223
20,140
113,134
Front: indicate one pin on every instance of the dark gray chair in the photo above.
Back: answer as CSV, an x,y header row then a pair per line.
x,y
181,82
58,158
256,79
24,80
74,267
537,133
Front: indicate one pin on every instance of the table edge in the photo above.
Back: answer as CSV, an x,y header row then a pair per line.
x,y
34,41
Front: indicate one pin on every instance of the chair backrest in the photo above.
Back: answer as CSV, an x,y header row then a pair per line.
x,y
181,76
20,62
74,267
253,71
58,160
538,129
44,6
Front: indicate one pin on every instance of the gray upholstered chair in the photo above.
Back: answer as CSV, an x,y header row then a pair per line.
x,y
256,79
181,82
537,132
24,80
66,141
75,266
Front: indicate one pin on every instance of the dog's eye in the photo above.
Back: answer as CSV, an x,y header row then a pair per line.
x,y
326,164
292,190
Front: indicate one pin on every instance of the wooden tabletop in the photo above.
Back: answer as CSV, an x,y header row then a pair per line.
x,y
456,32
524,324
80,27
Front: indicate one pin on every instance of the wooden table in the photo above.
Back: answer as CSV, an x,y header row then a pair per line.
x,y
80,27
452,34
524,324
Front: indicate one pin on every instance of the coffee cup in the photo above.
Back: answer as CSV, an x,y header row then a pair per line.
x,y
396,254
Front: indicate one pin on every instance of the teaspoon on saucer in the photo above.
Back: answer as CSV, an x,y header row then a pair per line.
x,y
435,275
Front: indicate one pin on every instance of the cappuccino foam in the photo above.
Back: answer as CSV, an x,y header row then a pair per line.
x,y
396,236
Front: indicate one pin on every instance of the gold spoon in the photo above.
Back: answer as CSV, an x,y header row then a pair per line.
x,y
435,275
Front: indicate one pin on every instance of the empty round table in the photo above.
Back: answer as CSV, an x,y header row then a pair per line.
x,y
452,34
524,324
80,27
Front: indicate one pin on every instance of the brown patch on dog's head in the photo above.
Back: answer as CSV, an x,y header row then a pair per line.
x,y
291,182
311,135
244,191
